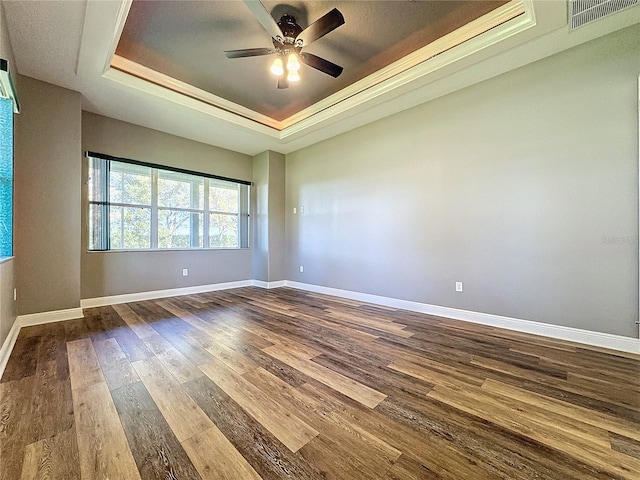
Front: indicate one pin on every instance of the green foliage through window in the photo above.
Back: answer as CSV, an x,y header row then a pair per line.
x,y
138,206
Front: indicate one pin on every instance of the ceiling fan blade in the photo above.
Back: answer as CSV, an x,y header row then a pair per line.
x,y
265,19
283,82
249,52
319,63
321,27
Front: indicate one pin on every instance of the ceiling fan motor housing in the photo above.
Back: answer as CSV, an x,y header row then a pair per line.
x,y
290,29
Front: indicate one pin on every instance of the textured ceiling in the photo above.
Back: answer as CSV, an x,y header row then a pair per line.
x,y
185,40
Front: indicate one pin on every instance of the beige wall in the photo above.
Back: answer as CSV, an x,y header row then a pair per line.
x,y
7,279
115,273
260,203
47,198
524,187
277,253
269,228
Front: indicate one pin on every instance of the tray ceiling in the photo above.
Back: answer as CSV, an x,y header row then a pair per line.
x,y
73,44
185,40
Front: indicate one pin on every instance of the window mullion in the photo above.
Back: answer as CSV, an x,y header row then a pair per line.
x,y
205,220
154,208
121,227
105,172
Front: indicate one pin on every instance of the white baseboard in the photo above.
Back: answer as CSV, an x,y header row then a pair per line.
x,y
268,285
171,292
7,346
606,340
48,317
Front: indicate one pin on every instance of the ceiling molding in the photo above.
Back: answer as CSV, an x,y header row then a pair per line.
x,y
166,83
504,22
186,100
121,19
499,24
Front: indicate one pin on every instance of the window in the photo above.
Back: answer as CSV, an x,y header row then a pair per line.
x,y
6,177
135,205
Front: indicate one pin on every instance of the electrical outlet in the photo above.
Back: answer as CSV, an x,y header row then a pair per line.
x,y
15,294
458,286
301,209
295,210
301,269
185,272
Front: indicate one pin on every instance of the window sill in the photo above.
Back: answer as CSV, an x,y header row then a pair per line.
x,y
6,259
144,250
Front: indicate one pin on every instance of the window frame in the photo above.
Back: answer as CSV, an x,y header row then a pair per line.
x,y
104,204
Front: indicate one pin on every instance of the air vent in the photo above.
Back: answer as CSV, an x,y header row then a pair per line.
x,y
586,11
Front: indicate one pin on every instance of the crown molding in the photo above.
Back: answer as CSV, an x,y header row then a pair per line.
x,y
132,74
500,24
494,27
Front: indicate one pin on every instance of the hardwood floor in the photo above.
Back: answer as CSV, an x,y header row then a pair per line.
x,y
252,383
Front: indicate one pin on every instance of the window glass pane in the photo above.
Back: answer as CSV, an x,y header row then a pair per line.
x,y
179,229
179,190
129,184
96,227
129,227
223,196
223,230
97,179
6,177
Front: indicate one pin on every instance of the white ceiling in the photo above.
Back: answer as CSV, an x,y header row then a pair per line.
x,y
70,43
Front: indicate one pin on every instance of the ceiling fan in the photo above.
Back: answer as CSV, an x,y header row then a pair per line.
x,y
288,41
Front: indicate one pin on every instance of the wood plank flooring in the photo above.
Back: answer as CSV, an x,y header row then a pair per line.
x,y
273,384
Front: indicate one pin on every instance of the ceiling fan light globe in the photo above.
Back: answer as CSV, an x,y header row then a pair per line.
x,y
293,65
277,68
293,76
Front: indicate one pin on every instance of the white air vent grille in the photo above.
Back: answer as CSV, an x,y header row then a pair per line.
x,y
585,11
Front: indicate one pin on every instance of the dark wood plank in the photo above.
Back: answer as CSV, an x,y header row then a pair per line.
x,y
24,358
17,428
76,329
53,348
156,450
51,403
263,451
406,468
625,445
